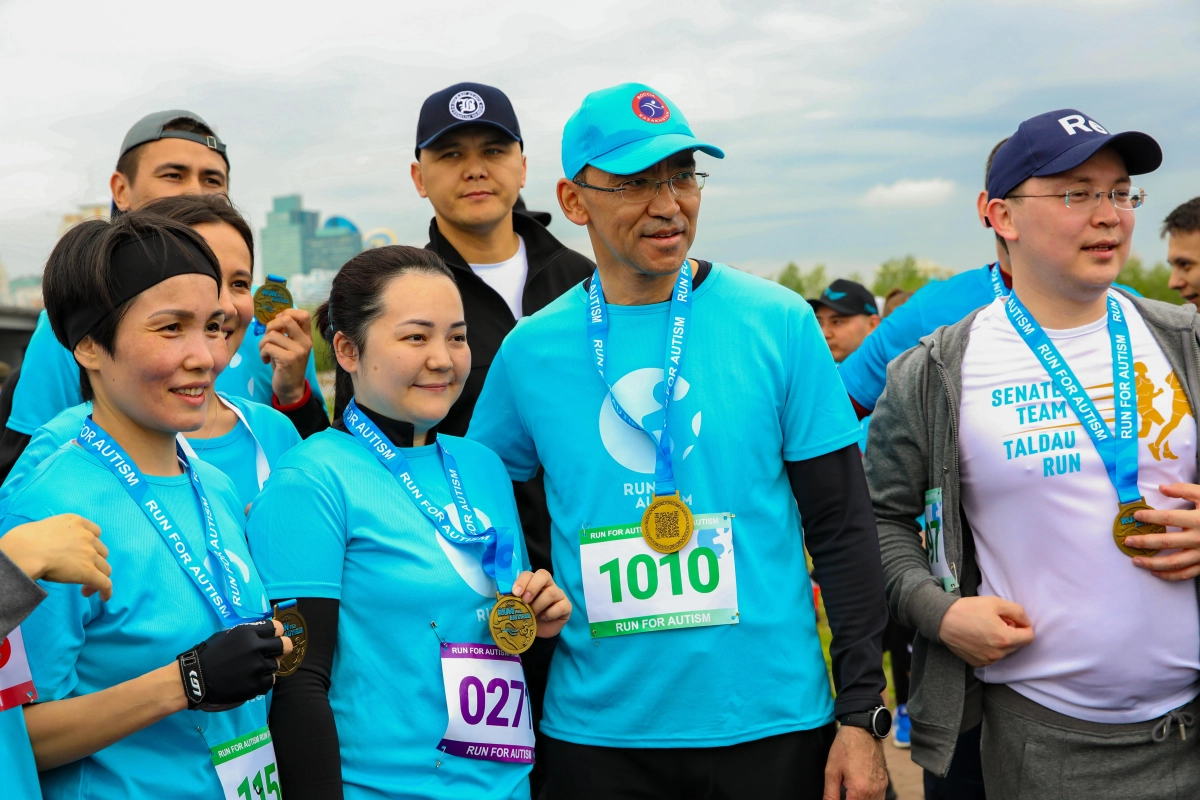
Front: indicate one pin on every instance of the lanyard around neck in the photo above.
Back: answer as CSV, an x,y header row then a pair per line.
x,y
500,559
225,596
262,469
680,318
1117,448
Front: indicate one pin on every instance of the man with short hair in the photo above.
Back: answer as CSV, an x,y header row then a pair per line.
x,y
683,412
164,154
1040,606
1182,229
471,167
846,312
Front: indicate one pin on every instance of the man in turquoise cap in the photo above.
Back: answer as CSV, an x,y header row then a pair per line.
x,y
685,414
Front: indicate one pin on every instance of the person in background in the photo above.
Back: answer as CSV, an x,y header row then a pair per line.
x,y
1182,229
164,154
470,165
847,314
894,299
241,438
61,549
1043,606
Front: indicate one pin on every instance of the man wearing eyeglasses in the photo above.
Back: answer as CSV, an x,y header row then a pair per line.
x,y
1031,436
686,413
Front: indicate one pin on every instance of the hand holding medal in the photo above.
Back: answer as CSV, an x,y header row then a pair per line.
x,y
1184,563
514,621
271,298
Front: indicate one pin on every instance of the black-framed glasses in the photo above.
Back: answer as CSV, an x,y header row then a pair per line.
x,y
643,190
1087,199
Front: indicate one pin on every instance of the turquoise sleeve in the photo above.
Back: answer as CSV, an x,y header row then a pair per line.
x,y
49,381
817,416
864,372
298,537
497,423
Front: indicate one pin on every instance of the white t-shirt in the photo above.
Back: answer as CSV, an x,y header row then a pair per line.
x,y
507,277
1112,643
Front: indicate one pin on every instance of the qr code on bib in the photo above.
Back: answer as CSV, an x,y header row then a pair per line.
x,y
666,524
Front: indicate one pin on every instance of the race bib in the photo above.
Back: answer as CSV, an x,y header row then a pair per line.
x,y
488,704
246,767
630,588
935,546
16,684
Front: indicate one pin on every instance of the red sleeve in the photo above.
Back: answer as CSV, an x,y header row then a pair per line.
x,y
275,404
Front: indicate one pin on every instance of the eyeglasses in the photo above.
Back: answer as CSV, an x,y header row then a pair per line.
x,y
643,190
1086,199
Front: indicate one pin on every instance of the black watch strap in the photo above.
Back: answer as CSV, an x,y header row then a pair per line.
x,y
877,721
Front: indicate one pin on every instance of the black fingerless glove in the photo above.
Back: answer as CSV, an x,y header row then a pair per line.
x,y
231,666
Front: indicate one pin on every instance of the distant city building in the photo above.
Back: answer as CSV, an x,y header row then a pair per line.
x,y
293,245
379,237
86,211
309,291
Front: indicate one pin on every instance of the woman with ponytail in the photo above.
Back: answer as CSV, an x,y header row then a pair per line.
x,y
405,550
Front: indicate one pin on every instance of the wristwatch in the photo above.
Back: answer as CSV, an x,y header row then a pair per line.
x,y
877,721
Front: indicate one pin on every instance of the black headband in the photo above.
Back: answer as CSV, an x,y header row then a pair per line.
x,y
137,265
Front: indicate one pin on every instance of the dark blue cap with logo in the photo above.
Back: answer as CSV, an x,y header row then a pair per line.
x,y
465,104
847,297
1061,140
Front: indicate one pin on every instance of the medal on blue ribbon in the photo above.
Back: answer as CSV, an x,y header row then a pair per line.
x,y
667,521
1117,447
512,622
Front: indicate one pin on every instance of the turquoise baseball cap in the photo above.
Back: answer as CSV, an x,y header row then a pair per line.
x,y
626,129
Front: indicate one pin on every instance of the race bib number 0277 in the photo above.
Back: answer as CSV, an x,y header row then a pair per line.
x,y
630,588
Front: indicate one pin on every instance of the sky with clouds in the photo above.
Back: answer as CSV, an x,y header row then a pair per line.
x,y
853,131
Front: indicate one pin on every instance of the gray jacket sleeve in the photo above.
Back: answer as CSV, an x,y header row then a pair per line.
x,y
19,596
897,465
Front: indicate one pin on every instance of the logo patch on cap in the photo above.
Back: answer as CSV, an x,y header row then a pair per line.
x,y
466,106
649,107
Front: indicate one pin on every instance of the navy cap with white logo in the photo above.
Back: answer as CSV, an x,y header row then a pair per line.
x,y
1061,140
847,297
465,104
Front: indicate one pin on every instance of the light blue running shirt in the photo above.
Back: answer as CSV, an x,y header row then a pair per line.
x,y
78,645
49,380
758,388
333,523
18,772
234,453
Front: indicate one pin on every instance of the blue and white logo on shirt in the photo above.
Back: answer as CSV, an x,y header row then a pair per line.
x,y
640,393
465,561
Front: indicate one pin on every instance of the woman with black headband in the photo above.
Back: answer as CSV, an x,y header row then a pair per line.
x,y
157,692
404,549
240,437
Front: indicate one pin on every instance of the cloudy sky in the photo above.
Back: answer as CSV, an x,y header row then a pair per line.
x,y
854,131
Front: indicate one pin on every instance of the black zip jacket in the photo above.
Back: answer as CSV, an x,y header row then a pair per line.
x,y
553,269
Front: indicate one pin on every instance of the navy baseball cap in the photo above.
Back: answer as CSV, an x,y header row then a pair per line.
x,y
465,104
625,129
150,128
846,297
1061,140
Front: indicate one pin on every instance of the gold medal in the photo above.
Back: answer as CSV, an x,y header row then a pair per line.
x,y
1125,525
296,629
667,524
512,624
271,298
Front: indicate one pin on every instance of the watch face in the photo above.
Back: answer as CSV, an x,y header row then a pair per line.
x,y
881,722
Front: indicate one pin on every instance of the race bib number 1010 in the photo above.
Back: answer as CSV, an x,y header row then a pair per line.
x,y
630,588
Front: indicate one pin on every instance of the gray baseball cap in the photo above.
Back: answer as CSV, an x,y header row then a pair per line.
x,y
150,129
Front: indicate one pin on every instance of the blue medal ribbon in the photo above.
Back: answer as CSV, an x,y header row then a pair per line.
x,y
224,596
1117,448
500,558
680,329
998,287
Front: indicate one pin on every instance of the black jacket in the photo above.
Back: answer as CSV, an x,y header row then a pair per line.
x,y
553,269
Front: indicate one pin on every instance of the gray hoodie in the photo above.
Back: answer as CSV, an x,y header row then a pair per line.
x,y
913,446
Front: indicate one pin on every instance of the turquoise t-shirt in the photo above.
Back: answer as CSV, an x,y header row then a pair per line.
x,y
332,522
50,379
234,453
758,387
78,645
18,772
